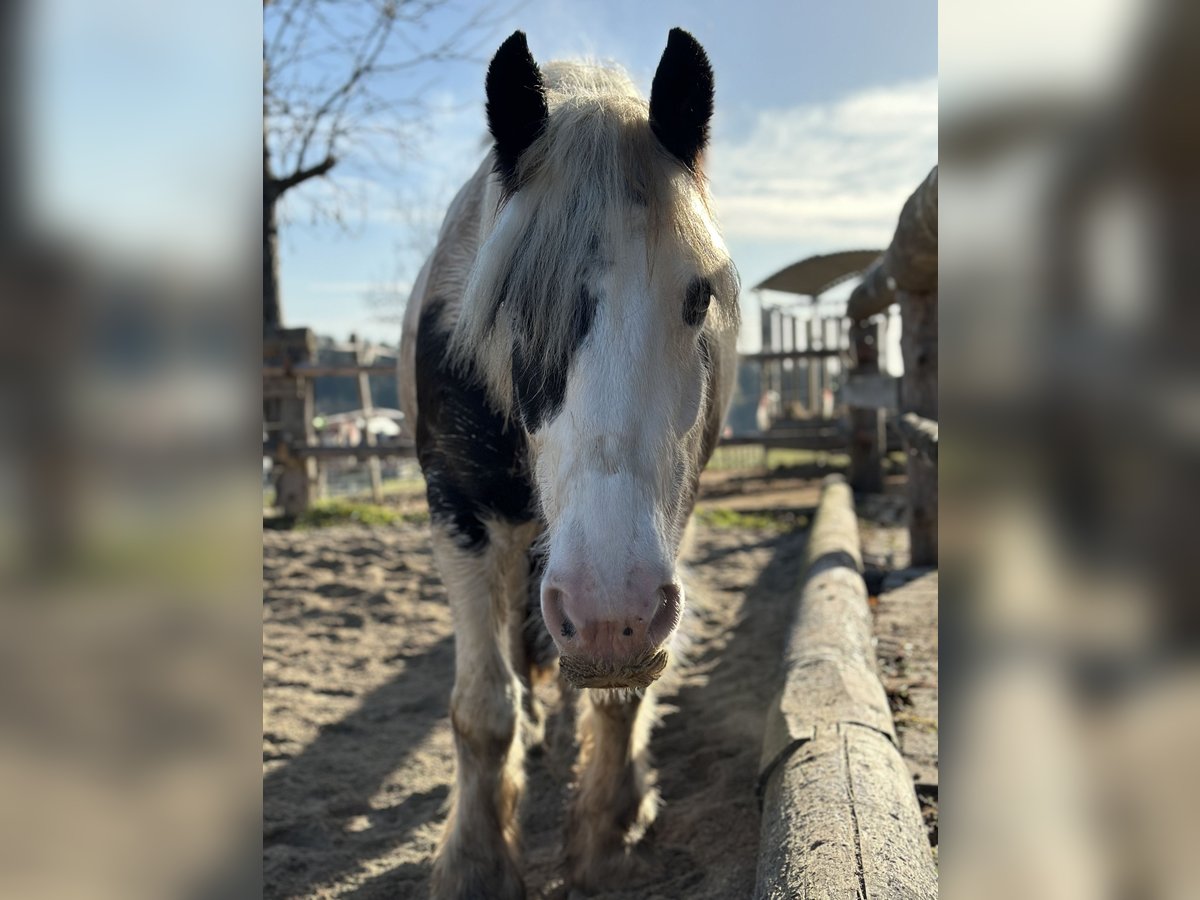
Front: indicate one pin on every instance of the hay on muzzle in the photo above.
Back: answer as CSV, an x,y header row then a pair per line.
x,y
639,672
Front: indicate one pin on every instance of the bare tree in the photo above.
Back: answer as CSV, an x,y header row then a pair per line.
x,y
341,81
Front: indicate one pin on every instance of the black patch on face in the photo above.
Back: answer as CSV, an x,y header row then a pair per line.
x,y
476,463
516,105
540,384
696,301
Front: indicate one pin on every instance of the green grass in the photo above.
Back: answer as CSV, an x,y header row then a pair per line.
x,y
781,458
341,512
778,521
907,718
403,487
750,457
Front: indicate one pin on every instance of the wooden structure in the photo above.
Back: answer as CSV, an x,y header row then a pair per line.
x,y
839,814
906,273
803,350
867,417
288,415
289,369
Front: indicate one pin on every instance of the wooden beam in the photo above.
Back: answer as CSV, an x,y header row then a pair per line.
x,y
871,390
359,451
907,274
920,436
362,356
872,295
912,258
313,370
814,376
868,434
775,355
840,818
910,263
919,395
288,406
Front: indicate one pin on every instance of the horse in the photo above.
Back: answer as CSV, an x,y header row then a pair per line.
x,y
568,355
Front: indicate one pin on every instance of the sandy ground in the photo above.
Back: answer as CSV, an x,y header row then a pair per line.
x,y
358,664
905,605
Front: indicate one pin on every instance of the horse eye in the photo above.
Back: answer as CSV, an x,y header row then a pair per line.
x,y
695,304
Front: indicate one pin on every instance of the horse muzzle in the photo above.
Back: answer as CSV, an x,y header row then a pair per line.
x,y
639,672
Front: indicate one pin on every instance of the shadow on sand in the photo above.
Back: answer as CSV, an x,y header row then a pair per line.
x,y
318,822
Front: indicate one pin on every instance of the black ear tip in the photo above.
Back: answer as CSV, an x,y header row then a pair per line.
x,y
515,41
512,61
515,46
680,41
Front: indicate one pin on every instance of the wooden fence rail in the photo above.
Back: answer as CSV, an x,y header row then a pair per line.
x,y
921,436
839,817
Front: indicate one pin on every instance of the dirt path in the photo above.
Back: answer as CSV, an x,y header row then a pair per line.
x,y
358,663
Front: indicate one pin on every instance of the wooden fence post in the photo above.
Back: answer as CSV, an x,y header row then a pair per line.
x,y
362,356
288,411
814,373
919,394
912,260
908,273
764,368
868,435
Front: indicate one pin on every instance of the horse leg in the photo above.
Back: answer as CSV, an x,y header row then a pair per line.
x,y
615,799
532,650
478,856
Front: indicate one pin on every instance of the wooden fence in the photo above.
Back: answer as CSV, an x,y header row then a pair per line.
x,y
907,273
290,439
797,360
839,815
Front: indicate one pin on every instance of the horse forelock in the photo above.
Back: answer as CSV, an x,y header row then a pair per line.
x,y
530,300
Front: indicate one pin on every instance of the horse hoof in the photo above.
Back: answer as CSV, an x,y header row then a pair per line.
x,y
474,879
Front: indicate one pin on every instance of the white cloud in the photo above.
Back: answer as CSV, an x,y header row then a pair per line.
x,y
827,176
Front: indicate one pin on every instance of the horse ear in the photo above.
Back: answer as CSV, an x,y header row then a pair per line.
x,y
681,98
516,103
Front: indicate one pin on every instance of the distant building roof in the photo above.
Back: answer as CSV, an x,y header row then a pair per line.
x,y
817,274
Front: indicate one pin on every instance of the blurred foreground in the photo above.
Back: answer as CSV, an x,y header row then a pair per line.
x,y
1070,353
129,488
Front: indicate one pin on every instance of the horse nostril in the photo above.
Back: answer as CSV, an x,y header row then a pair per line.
x,y
628,632
554,613
666,618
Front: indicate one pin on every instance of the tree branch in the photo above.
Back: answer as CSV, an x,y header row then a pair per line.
x,y
277,186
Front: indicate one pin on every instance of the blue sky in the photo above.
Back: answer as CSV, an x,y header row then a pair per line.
x,y
826,119
146,120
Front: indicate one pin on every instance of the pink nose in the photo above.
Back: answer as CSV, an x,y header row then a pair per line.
x,y
603,629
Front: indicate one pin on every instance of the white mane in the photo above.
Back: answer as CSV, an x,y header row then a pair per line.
x,y
596,162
